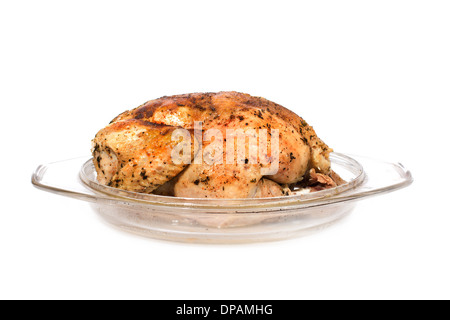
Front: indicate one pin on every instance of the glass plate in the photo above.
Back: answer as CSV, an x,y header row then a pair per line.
x,y
224,220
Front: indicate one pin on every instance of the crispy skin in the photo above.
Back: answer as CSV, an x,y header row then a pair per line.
x,y
183,110
300,148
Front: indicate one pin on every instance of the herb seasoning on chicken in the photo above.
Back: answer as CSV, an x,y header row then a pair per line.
x,y
134,152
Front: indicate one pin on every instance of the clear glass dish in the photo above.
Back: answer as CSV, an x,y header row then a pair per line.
x,y
229,220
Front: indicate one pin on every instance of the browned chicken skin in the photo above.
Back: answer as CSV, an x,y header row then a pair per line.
x,y
134,151
135,155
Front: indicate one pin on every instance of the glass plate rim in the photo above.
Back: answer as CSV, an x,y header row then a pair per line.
x,y
337,158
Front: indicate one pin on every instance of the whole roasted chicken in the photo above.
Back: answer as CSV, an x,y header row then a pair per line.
x,y
211,145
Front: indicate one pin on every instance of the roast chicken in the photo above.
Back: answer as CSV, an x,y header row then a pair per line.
x,y
135,151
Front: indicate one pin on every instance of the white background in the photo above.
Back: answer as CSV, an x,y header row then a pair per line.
x,y
373,77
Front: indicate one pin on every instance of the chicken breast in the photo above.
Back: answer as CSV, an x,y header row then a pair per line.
x,y
293,147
